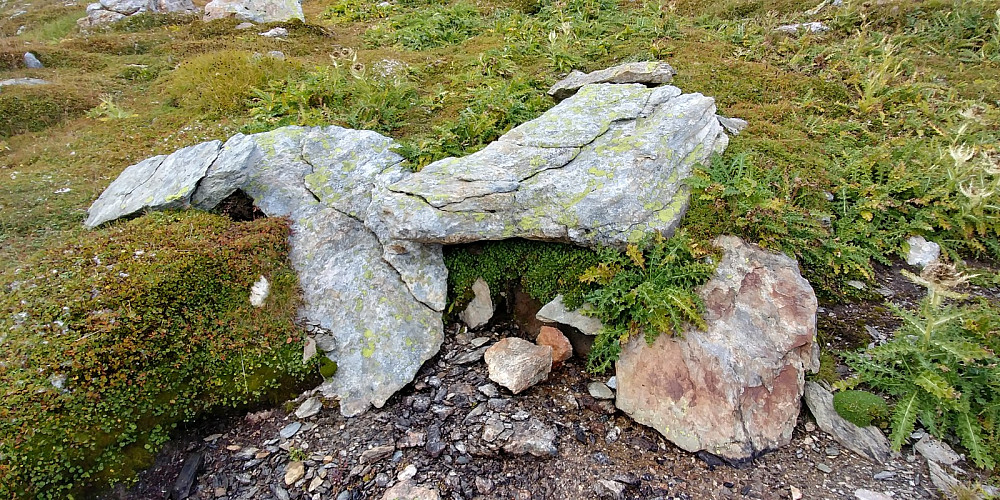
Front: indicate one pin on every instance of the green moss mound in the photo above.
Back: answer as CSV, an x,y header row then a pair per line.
x,y
113,338
29,108
860,408
222,82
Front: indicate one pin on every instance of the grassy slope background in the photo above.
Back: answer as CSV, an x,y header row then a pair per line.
x,y
884,127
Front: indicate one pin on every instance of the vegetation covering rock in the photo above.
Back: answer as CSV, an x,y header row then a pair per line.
x,y
114,338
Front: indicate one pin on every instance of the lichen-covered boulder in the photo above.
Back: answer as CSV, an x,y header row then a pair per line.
x,y
378,300
257,11
733,390
603,167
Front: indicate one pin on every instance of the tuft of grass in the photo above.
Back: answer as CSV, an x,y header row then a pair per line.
x,y
114,337
222,82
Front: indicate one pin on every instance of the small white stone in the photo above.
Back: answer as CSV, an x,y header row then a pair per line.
x,y
259,292
407,473
920,252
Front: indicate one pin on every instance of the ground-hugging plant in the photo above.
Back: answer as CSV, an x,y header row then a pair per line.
x,y
941,368
334,95
114,338
648,290
861,408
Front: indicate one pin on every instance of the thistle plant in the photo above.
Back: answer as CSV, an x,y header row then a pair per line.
x,y
941,367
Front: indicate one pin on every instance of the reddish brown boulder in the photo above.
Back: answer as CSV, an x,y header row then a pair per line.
x,y
552,337
733,390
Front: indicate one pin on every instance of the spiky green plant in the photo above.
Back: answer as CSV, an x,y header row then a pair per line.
x,y
941,367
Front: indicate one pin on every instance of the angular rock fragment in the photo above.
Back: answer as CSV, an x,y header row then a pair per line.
x,y
920,252
552,337
734,389
409,490
556,312
532,437
480,309
157,183
867,442
649,73
518,364
603,167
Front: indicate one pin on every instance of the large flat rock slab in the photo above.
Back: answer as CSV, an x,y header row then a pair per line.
x,y
602,167
733,390
377,300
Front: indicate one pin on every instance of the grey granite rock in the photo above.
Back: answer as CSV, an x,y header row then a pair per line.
x,y
649,73
480,309
867,442
532,437
23,81
257,11
30,61
600,168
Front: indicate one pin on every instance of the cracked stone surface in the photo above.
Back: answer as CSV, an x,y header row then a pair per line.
x,y
733,390
602,167
380,300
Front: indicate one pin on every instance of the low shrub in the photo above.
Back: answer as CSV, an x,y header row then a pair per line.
x,y
428,27
117,336
29,108
222,82
334,95
493,107
861,408
647,290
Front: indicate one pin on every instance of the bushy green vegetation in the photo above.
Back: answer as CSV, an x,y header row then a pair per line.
x,y
114,338
941,368
347,97
222,82
646,291
428,27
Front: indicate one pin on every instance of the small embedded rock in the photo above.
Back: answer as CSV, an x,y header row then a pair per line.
x,y
554,338
295,471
